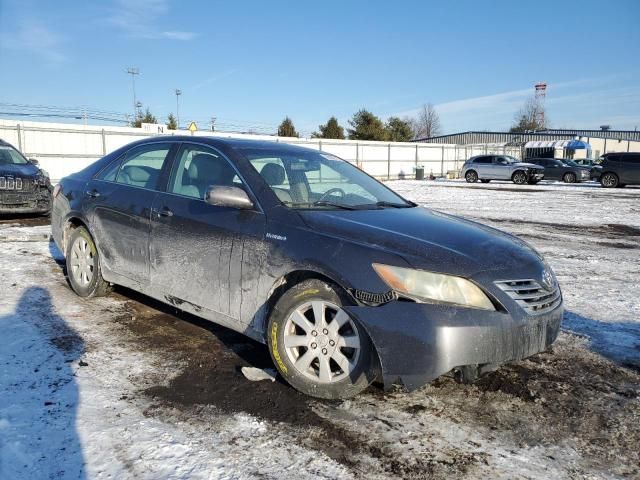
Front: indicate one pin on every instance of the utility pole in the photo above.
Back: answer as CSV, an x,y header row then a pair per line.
x,y
133,71
178,93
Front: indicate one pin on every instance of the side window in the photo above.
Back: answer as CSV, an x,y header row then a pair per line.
x,y
197,168
483,160
501,160
273,172
142,165
111,171
635,159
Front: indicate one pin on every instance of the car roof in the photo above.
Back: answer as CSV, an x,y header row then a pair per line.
x,y
234,143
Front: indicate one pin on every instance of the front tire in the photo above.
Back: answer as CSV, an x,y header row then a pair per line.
x,y
471,176
569,177
316,346
519,177
83,265
609,180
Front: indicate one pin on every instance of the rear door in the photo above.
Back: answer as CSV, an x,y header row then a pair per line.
x,y
118,207
209,256
483,166
630,168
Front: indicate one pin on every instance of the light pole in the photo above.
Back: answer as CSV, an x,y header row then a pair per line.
x,y
178,93
133,71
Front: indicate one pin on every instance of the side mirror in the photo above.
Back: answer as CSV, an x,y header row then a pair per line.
x,y
234,197
34,161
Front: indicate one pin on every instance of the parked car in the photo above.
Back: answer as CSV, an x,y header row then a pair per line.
x,y
556,169
343,279
24,186
501,167
594,169
620,169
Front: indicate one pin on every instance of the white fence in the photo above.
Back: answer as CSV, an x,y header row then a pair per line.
x,y
65,148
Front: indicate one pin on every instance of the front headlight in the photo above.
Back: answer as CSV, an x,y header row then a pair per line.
x,y
433,287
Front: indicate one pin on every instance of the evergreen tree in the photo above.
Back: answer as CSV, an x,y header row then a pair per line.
x,y
366,126
331,129
399,130
286,129
172,123
148,117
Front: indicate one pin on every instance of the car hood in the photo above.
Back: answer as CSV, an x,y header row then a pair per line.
x,y
529,165
26,170
428,239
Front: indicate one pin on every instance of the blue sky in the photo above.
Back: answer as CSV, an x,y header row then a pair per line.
x,y
251,63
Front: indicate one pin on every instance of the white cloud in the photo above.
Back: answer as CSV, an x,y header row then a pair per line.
x,y
569,103
36,38
138,18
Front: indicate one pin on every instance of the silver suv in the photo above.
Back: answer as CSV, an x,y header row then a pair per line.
x,y
501,167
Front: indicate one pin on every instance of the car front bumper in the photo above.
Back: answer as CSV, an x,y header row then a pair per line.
x,y
416,343
12,202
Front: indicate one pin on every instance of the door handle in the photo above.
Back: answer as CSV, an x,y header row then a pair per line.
x,y
163,212
93,193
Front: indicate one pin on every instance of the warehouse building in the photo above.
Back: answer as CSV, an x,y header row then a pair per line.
x,y
558,143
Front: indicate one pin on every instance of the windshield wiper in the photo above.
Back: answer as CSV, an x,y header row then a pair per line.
x,y
383,203
320,203
325,203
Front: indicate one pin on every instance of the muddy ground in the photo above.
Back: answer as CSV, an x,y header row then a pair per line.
x,y
570,412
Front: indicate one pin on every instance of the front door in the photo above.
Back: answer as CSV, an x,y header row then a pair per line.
x,y
119,209
206,255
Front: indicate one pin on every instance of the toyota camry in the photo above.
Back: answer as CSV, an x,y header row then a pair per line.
x,y
345,281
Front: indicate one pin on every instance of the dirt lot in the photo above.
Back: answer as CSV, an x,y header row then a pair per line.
x,y
167,381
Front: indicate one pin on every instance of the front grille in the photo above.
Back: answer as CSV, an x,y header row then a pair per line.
x,y
12,183
531,296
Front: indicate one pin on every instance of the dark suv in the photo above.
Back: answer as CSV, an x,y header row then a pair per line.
x,y
24,187
620,169
557,169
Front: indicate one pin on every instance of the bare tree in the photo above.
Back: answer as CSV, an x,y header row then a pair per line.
x,y
530,118
427,123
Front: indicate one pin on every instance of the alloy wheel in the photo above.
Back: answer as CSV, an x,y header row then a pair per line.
x,y
322,341
609,180
519,178
81,262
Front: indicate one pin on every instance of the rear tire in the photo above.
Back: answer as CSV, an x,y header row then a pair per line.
x,y
609,180
519,177
569,177
83,265
471,176
316,346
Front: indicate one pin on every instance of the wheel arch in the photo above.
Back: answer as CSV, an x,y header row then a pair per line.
x,y
70,224
288,280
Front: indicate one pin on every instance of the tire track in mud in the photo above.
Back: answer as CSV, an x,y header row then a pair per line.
x,y
569,396
211,357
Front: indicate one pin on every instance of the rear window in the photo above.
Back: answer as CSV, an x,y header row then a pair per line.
x,y
482,160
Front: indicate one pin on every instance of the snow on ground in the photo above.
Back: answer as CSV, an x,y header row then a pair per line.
x,y
121,387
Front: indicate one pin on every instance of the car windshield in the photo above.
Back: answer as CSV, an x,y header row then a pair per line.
x,y
571,163
10,156
316,180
